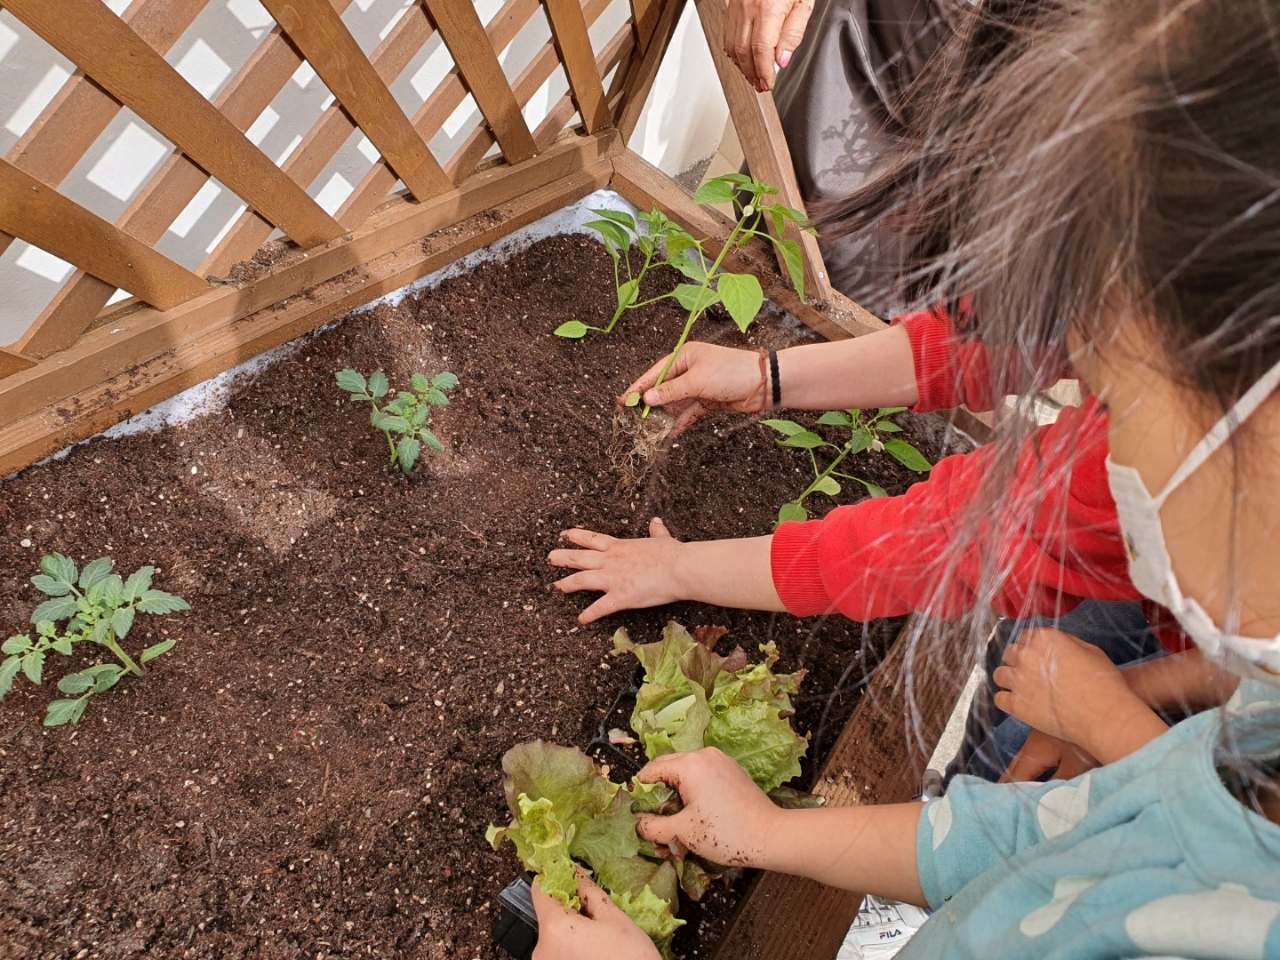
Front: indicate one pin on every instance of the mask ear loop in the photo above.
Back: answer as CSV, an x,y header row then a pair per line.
x,y
1244,408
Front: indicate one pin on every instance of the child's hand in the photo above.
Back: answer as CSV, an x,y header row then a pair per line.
x,y
601,930
1068,689
726,818
1042,753
705,377
630,573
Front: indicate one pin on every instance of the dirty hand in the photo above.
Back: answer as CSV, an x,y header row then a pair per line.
x,y
759,34
726,818
705,377
601,930
1042,753
1062,686
630,573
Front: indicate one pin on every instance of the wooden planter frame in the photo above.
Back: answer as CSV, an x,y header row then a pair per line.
x,y
83,366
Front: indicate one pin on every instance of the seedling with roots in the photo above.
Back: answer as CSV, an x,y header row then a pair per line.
x,y
407,417
99,608
865,433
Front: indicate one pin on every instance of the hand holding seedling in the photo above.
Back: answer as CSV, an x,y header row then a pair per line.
x,y
705,377
601,930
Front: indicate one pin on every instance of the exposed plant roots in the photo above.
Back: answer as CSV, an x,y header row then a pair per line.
x,y
637,443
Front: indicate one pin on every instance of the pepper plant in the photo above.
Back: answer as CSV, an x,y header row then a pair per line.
x,y
407,416
99,607
866,432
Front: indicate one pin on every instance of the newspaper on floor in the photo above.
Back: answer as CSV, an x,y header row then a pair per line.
x,y
880,930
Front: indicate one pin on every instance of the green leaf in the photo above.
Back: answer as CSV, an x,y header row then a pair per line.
x,y
618,217
95,571
651,914
827,485
378,385
690,266
407,451
717,190
835,418
611,232
390,423
794,259
572,330
627,293
160,603
874,489
694,296
47,628
679,242
399,406
420,383
100,631
419,416
156,650
805,440
137,583
59,567
444,381
860,440
18,644
33,665
754,732
65,711
111,591
792,512
890,411
62,645
105,676
122,621
74,683
351,381
51,586
742,296
431,440
436,398
8,670
787,427
632,400
907,455
59,608
888,427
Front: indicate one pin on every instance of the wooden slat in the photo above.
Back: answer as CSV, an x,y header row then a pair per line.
x,y
78,303
372,191
79,113
755,116
646,186
322,143
879,758
134,336
540,68
569,28
13,362
644,18
329,47
615,51
645,70
43,217
100,43
477,63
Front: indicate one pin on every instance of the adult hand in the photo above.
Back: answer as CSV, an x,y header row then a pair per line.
x,y
726,818
761,35
1042,753
705,377
630,573
1061,686
601,930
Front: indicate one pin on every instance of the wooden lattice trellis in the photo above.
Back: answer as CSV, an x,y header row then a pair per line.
x,y
84,365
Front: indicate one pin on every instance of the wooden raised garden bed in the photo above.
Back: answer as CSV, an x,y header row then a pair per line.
x,y
310,771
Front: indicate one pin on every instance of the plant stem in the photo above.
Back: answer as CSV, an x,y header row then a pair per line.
x,y
130,666
844,452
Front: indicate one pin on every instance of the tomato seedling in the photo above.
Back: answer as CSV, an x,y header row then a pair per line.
x,y
865,433
99,608
408,416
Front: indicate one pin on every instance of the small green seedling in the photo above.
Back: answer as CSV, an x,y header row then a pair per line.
x,y
99,607
407,416
865,433
739,293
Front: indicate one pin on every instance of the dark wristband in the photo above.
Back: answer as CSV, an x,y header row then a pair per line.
x,y
773,375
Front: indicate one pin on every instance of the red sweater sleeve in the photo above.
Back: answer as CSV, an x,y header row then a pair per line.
x,y
921,552
952,372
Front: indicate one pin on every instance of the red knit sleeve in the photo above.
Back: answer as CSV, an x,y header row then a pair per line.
x,y
1056,540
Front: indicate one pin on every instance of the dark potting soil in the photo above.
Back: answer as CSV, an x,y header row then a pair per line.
x,y
310,772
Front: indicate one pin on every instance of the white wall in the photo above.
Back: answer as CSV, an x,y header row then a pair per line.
x,y
681,126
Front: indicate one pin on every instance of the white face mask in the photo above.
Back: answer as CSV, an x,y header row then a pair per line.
x,y
1150,566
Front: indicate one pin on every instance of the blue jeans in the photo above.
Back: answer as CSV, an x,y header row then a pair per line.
x,y
992,737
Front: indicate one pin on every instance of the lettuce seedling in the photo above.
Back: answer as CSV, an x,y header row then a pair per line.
x,y
408,416
865,433
565,809
99,608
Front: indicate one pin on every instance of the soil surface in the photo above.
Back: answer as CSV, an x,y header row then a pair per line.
x,y
310,772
